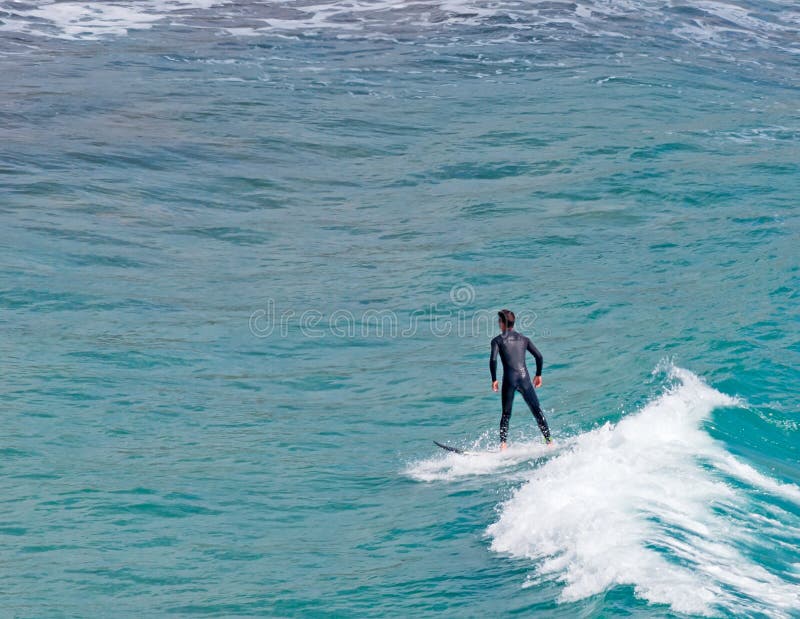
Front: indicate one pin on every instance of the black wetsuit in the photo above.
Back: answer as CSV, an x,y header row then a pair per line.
x,y
512,347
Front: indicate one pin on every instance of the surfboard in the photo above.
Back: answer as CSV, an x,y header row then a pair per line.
x,y
539,451
453,449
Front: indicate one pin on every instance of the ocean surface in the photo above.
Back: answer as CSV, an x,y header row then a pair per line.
x,y
250,259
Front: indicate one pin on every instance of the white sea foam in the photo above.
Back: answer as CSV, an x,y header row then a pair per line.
x,y
450,466
92,20
644,503
749,475
713,23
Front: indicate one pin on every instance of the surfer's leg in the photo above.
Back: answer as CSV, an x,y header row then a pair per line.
x,y
508,400
528,392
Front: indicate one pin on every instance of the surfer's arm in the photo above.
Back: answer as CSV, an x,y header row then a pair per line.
x,y
536,355
493,360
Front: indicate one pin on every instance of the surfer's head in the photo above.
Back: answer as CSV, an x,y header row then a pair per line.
x,y
506,319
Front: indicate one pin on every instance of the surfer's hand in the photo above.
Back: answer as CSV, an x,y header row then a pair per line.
x,y
494,385
537,381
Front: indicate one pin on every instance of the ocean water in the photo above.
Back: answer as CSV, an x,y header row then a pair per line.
x,y
250,255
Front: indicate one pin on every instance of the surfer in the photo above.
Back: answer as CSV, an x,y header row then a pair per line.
x,y
512,347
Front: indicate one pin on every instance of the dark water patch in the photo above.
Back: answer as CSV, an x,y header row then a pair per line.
x,y
156,542
54,301
183,496
70,502
130,359
352,229
754,220
329,182
118,160
36,476
578,304
564,241
323,383
330,150
662,150
517,138
98,260
372,127
785,291
248,185
236,236
779,168
489,209
703,197
157,510
41,188
139,490
582,195
488,171
237,384
258,607
598,313
234,554
401,236
82,491
766,331
21,298
399,183
605,217
44,548
90,238
11,453
129,575
605,150
663,246
766,233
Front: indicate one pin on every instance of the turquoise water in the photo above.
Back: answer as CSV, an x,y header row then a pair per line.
x,y
250,254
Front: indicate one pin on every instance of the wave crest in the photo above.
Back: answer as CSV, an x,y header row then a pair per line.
x,y
648,503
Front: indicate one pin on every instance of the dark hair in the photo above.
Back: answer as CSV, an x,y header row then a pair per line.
x,y
507,317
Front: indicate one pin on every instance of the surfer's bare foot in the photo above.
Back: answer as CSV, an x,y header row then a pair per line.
x,y
550,443
502,446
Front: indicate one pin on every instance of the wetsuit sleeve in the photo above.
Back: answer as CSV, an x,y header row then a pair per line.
x,y
493,360
537,355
